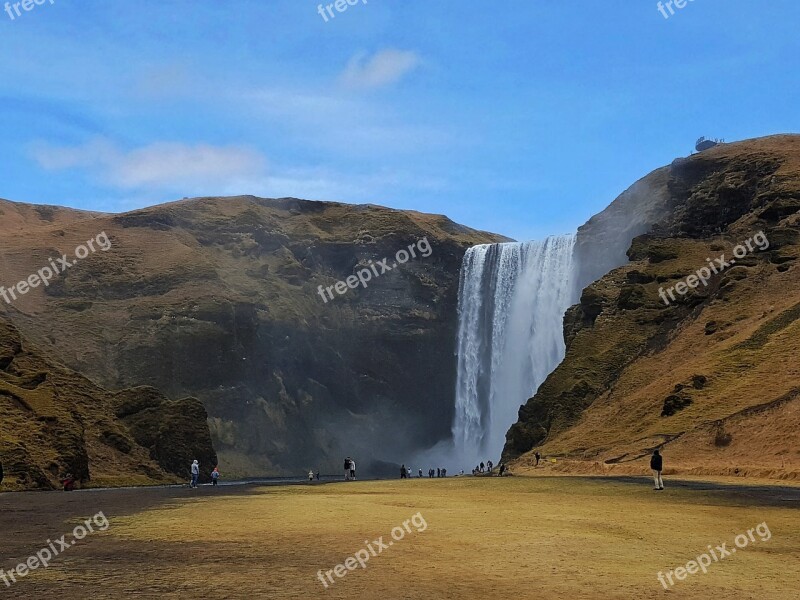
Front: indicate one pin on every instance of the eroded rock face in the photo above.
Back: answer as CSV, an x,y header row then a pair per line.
x,y
628,350
54,422
218,298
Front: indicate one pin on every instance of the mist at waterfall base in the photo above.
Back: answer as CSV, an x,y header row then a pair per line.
x,y
511,305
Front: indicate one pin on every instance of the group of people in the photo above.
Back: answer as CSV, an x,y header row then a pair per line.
x,y
435,473
196,474
656,465
483,468
405,472
489,468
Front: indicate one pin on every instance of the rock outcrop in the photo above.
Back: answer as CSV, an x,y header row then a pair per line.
x,y
711,377
55,422
218,298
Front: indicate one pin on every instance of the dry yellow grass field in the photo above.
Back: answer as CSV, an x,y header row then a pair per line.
x,y
486,538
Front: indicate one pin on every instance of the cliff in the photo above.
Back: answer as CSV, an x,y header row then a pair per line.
x,y
711,378
218,298
54,421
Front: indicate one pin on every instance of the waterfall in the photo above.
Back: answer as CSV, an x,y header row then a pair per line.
x,y
511,303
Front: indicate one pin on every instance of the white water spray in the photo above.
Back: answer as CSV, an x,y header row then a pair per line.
x,y
511,303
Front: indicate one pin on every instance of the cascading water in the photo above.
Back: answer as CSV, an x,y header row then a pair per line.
x,y
511,303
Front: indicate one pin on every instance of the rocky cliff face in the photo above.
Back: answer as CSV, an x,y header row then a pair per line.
x,y
711,377
54,422
218,298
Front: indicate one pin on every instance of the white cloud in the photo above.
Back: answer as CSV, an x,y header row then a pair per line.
x,y
162,165
172,169
381,69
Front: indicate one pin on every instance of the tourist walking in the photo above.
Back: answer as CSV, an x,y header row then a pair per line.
x,y
215,476
657,465
537,456
195,473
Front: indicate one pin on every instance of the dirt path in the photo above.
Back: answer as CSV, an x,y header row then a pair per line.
x,y
744,495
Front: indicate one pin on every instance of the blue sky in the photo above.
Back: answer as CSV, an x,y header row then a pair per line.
x,y
523,117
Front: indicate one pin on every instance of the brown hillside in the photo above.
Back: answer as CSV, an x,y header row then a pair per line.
x,y
712,379
217,298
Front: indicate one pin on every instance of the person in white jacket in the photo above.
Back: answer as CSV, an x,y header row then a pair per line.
x,y
195,473
352,469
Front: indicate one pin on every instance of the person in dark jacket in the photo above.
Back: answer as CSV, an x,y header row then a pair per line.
x,y
403,472
657,465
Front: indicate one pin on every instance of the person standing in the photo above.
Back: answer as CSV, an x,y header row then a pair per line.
x,y
215,476
352,469
1,473
657,465
537,456
195,473
347,469
403,472
311,475
420,473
